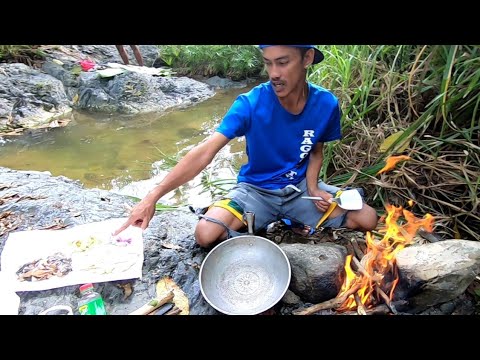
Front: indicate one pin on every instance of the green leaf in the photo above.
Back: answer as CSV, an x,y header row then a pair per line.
x,y
161,207
76,70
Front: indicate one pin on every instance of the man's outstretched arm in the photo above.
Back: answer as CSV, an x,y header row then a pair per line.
x,y
187,168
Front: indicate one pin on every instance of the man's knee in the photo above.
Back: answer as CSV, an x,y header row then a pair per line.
x,y
365,219
206,233
371,219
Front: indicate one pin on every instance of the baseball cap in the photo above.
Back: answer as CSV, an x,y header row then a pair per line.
x,y
318,54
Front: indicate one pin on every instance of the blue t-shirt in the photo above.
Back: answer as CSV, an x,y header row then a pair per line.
x,y
278,142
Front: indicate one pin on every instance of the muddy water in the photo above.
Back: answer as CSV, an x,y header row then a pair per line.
x,y
107,151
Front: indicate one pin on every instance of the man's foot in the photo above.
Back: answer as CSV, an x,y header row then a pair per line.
x,y
305,231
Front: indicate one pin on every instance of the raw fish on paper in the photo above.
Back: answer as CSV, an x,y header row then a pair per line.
x,y
47,259
55,265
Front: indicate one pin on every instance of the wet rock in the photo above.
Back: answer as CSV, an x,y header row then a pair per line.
x,y
62,198
30,98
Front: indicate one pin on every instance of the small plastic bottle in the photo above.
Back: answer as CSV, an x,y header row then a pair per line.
x,y
91,303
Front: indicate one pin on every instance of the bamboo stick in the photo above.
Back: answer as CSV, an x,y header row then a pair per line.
x,y
153,304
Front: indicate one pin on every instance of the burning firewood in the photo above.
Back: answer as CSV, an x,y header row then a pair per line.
x,y
382,309
430,236
358,252
385,298
364,272
330,304
350,250
376,280
360,308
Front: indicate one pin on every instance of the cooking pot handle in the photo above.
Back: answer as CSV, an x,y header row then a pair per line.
x,y
249,217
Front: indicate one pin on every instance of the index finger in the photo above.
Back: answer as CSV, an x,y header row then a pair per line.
x,y
121,228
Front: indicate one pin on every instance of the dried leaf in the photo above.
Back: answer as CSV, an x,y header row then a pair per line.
x,y
8,197
171,246
387,143
127,290
456,232
5,214
58,224
9,221
180,299
28,197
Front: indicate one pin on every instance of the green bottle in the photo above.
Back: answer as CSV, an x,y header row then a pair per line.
x,y
91,302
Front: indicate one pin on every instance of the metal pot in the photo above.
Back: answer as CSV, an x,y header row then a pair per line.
x,y
245,275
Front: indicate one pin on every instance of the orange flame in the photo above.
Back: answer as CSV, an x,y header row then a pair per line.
x,y
378,263
392,161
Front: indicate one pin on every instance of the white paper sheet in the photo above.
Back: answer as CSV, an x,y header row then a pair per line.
x,y
9,300
105,258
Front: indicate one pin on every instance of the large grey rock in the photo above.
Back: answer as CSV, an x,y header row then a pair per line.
x,y
133,93
29,98
317,270
436,273
223,83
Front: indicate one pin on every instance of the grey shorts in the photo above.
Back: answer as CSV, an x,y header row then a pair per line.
x,y
286,203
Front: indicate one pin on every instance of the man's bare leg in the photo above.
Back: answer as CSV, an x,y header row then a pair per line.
x,y
123,54
207,232
138,54
364,219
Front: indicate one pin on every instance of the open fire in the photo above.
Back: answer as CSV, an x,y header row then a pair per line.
x,y
385,273
390,272
376,275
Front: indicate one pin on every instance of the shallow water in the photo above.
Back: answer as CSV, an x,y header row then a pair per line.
x,y
106,151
